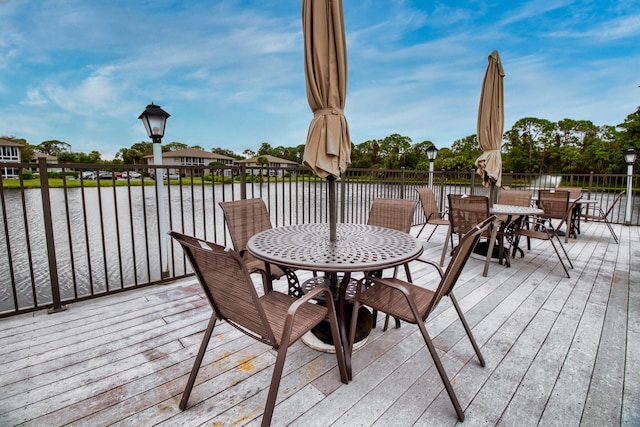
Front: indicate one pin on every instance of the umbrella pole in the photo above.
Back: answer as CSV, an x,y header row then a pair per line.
x,y
492,194
332,208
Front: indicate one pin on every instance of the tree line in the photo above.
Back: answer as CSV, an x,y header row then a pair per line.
x,y
532,145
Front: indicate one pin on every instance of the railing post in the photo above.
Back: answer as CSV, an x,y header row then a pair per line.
x,y
243,181
402,177
472,191
590,186
442,184
48,233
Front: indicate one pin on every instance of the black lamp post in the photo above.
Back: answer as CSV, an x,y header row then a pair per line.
x,y
629,158
154,119
432,152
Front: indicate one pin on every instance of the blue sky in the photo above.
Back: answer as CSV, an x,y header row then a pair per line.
x,y
230,72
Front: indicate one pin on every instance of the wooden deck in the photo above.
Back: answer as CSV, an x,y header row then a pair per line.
x,y
559,351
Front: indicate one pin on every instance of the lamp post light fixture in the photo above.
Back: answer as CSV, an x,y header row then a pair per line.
x,y
432,152
630,158
154,119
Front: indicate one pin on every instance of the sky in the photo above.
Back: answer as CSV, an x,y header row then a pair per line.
x,y
231,73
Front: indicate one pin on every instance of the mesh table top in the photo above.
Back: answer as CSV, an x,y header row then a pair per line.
x,y
358,247
515,210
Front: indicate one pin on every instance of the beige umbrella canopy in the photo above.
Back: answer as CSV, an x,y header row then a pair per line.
x,y
491,123
328,147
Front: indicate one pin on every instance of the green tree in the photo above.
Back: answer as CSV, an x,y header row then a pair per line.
x,y
527,145
265,149
226,152
130,156
393,150
174,146
53,147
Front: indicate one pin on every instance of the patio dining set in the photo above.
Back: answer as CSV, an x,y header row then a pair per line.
x,y
361,268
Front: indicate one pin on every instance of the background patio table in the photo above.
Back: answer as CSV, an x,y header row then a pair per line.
x,y
511,211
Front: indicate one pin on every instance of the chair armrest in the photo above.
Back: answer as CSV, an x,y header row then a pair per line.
x,y
433,264
397,286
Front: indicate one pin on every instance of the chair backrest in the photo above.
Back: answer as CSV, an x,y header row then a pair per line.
x,y
429,205
228,286
574,192
615,201
459,259
396,214
554,203
245,218
465,212
515,197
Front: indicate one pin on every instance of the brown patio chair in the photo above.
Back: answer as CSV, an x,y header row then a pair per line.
x,y
413,303
432,214
574,192
556,206
515,197
603,216
396,214
573,221
275,319
464,213
247,217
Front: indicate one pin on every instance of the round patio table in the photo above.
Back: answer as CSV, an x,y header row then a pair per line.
x,y
514,214
357,248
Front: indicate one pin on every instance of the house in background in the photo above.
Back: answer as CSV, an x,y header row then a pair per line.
x,y
191,157
51,160
9,153
275,167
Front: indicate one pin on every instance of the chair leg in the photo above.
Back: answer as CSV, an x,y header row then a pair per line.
x,y
492,243
275,384
432,232
441,371
467,329
340,350
198,362
446,246
423,226
559,256
613,233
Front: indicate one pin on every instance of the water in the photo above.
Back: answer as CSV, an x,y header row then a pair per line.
x,y
107,238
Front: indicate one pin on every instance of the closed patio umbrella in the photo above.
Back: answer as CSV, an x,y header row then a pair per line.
x,y
328,147
491,124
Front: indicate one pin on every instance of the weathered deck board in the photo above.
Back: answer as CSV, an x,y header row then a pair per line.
x,y
558,351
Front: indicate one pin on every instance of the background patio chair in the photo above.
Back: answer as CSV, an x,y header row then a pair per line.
x,y
603,216
573,220
413,303
432,214
555,205
464,213
247,217
275,319
396,214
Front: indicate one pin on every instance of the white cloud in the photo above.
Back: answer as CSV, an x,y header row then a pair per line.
x,y
34,99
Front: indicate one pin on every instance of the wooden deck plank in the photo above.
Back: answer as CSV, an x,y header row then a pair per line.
x,y
558,351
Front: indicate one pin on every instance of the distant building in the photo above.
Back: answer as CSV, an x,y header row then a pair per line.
x,y
275,167
51,160
9,153
191,157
